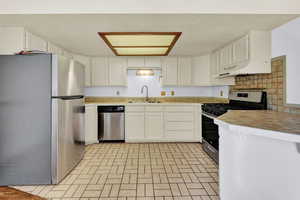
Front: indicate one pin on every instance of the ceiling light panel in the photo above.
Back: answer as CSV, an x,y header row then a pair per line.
x,y
140,43
140,40
141,51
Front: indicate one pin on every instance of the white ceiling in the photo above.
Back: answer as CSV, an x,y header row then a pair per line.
x,y
201,33
150,7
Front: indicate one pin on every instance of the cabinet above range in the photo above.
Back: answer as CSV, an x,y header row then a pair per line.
x,y
250,54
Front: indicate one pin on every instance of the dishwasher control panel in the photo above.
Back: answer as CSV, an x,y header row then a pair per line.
x,y
111,109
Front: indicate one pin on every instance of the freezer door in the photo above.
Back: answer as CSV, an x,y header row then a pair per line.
x,y
67,77
25,120
68,136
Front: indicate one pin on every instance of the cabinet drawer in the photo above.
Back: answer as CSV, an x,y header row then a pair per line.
x,y
134,108
179,126
179,108
176,116
154,108
180,135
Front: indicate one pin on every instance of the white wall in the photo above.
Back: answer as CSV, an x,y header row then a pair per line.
x,y
135,84
286,41
216,91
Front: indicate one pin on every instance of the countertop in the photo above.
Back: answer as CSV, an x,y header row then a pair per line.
x,y
264,119
163,100
140,104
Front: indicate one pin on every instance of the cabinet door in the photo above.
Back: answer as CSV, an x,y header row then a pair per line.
x,y
134,125
117,71
100,72
215,63
153,61
201,71
184,71
91,124
34,42
67,54
170,71
241,50
154,125
215,72
135,61
87,67
225,57
52,48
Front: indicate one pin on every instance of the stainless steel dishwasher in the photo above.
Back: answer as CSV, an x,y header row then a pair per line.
x,y
111,123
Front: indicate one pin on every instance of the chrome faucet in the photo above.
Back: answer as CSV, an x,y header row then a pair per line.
x,y
142,91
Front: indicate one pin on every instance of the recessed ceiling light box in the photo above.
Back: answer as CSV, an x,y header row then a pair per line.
x,y
140,43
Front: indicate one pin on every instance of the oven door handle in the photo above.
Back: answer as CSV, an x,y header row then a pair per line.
x,y
211,149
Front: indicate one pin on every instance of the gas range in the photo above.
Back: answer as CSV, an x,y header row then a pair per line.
x,y
238,100
215,109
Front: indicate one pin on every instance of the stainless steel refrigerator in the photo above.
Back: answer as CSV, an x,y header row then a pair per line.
x,y
41,118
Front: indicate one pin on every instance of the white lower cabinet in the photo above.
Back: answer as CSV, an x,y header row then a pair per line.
x,y
154,125
179,125
91,124
163,123
134,126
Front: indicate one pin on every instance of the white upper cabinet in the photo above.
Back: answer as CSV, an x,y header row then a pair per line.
x,y
52,48
184,71
67,54
100,71
135,62
240,50
201,71
153,62
33,42
225,58
215,63
215,71
117,71
12,40
250,54
170,71
143,62
86,61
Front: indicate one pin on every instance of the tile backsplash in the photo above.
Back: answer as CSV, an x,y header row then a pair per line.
x,y
272,83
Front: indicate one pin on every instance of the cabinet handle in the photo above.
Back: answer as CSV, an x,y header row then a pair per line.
x,y
224,74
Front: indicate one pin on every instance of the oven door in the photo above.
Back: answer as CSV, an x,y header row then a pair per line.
x,y
210,131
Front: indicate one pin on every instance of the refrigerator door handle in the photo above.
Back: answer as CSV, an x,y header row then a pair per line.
x,y
69,97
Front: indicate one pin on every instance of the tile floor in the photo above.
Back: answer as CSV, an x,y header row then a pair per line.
x,y
138,171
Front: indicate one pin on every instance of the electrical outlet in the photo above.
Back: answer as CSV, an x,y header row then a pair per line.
x,y
221,93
